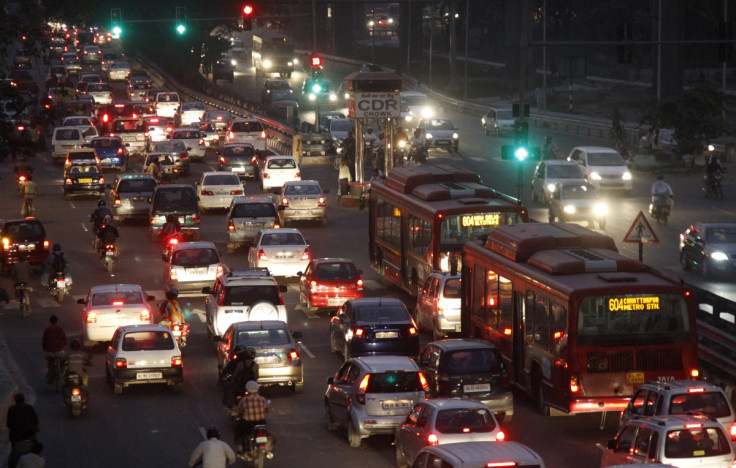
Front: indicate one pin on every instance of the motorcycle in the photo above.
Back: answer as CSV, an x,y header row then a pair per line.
x,y
418,154
180,332
260,444
23,293
108,256
659,208
59,285
713,187
21,178
76,396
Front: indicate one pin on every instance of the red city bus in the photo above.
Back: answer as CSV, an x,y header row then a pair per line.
x,y
579,325
420,217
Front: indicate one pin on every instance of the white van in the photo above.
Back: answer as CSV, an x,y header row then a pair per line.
x,y
605,168
476,454
167,104
63,140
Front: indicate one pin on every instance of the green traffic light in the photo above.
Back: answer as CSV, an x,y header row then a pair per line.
x,y
317,88
181,29
116,30
521,153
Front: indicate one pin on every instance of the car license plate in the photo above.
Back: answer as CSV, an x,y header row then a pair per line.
x,y
633,378
261,440
237,169
395,404
67,146
392,334
197,271
337,302
85,181
109,253
272,359
148,375
477,388
27,247
60,284
76,397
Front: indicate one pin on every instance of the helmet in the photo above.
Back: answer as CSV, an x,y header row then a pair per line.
x,y
213,431
57,247
101,203
252,386
173,292
75,345
660,177
249,353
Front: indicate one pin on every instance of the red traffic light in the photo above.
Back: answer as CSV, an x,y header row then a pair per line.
x,y
247,10
316,61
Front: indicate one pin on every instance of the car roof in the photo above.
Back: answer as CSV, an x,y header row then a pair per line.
x,y
681,385
332,260
301,182
260,325
386,363
145,327
102,288
195,245
559,162
81,151
375,300
246,119
280,156
279,230
135,176
189,129
453,403
487,452
462,343
237,144
676,420
250,281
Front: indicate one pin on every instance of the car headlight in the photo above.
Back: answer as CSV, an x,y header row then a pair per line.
x,y
429,136
312,97
295,61
455,136
267,64
550,187
347,95
569,209
333,97
291,64
595,176
483,120
408,117
600,209
626,176
427,112
233,62
402,143
719,256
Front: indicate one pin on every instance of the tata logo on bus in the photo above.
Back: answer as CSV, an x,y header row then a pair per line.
x,y
487,219
378,105
633,303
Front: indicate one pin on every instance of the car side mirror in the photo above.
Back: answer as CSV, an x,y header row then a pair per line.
x,y
326,191
611,443
282,288
330,380
81,301
206,290
150,298
297,335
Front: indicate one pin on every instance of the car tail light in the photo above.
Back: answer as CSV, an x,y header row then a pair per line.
x,y
359,332
574,384
500,464
432,439
313,286
293,355
121,363
281,300
231,135
169,129
201,142
263,135
46,244
230,225
285,201
266,176
120,151
102,180
236,192
423,381
359,284
505,377
195,218
262,255
500,436
91,317
68,181
207,192
306,255
172,274
733,431
696,390
176,361
298,175
67,162
222,160
220,270
693,426
117,201
145,315
360,394
253,160
322,202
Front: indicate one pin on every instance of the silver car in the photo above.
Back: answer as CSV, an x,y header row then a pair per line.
x,y
548,174
191,266
247,131
216,190
130,196
372,395
191,113
247,216
440,132
283,251
438,304
303,200
577,202
193,139
178,153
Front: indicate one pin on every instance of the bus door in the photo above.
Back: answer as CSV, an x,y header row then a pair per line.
x,y
518,338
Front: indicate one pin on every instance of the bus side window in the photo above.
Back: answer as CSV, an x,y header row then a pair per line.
x,y
557,323
492,315
541,321
505,305
479,285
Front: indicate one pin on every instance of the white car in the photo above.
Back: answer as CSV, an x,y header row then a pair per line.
x,y
419,105
118,71
209,133
88,132
166,103
100,92
191,112
110,306
247,131
440,132
65,139
216,190
498,122
277,170
143,354
283,251
603,167
76,120
191,266
193,140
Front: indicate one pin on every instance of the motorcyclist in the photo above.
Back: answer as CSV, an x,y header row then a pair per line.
x,y
55,263
171,227
419,146
53,343
246,369
662,192
713,166
369,140
106,234
77,360
251,412
22,167
99,214
212,453
549,151
170,309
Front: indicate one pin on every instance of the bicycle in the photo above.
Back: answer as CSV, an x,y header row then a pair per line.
x,y
24,299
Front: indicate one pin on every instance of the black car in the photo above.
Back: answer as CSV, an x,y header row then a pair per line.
x,y
178,200
222,70
84,179
710,247
465,368
239,158
22,236
373,326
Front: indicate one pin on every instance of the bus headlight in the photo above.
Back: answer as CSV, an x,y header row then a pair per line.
x,y
600,209
266,63
719,256
569,209
595,176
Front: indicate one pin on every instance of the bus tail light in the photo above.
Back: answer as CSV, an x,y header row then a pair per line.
x,y
574,385
432,439
262,255
360,394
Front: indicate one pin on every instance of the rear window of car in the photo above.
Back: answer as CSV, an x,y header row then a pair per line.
x,y
98,87
249,127
83,170
254,210
696,443
394,382
221,179
249,295
175,199
283,238
564,171
23,230
140,185
195,257
70,134
148,341
244,151
118,298
302,189
452,289
186,134
263,338
281,164
336,271
464,420
471,361
167,97
82,155
122,126
383,313
105,143
712,404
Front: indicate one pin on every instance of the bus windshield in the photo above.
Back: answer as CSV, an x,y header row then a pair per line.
x,y
455,230
633,319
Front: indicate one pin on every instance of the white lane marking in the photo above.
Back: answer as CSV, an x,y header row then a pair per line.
x,y
200,315
84,227
305,349
725,211
71,203
310,315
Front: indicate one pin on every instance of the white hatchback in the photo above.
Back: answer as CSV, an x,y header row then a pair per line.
x,y
110,306
218,189
191,266
193,139
277,170
191,112
283,251
605,168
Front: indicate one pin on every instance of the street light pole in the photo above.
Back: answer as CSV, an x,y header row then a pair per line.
x,y
467,36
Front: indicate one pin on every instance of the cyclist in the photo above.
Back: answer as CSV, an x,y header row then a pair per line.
x,y
21,273
30,190
54,342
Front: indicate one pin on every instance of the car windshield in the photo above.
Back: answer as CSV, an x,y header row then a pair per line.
x,y
712,404
278,84
338,271
98,87
283,238
564,171
117,298
464,420
394,382
246,127
281,164
189,106
167,97
148,341
696,442
249,295
605,159
254,210
721,235
136,185
577,192
452,289
282,96
366,313
23,230
340,125
221,179
74,121
195,257
472,361
207,127
245,151
68,134
259,339
439,124
302,189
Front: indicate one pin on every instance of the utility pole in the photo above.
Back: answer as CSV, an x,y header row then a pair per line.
x,y
524,43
